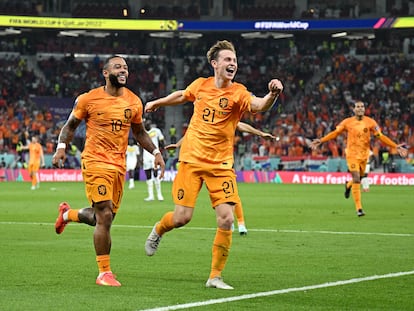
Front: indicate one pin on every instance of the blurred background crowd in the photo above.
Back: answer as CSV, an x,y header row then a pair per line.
x,y
322,75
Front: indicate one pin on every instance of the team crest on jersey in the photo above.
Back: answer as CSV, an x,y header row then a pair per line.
x,y
224,102
365,130
102,189
180,194
353,166
127,115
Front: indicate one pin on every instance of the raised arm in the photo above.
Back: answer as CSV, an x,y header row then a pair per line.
x,y
265,103
175,98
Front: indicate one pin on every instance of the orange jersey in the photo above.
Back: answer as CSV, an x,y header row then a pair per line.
x,y
35,153
108,122
359,136
217,111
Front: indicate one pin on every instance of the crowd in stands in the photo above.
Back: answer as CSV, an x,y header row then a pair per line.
x,y
194,10
321,80
382,77
12,7
190,11
114,9
238,10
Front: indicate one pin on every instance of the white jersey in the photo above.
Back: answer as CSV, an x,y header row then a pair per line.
x,y
132,153
156,136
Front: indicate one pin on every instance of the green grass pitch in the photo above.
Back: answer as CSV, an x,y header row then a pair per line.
x,y
305,250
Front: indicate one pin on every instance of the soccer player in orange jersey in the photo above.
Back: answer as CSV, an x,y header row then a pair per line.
x,y
110,111
359,129
206,154
238,209
36,160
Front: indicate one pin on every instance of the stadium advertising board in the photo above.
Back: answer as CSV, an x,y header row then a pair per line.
x,y
278,177
197,25
297,25
86,23
292,177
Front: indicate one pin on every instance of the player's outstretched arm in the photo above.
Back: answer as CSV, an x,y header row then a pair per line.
x,y
176,145
266,102
247,128
65,137
331,135
314,144
402,150
175,98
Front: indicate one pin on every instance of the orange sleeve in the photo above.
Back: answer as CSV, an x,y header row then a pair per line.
x,y
386,140
330,136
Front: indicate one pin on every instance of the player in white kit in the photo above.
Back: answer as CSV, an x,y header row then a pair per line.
x,y
132,154
151,172
364,179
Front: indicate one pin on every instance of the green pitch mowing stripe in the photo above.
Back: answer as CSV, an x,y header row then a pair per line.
x,y
279,291
300,236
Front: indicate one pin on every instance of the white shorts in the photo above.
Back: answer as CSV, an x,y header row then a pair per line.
x,y
148,162
131,164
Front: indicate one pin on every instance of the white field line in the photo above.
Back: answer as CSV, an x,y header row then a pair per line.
x,y
279,292
250,230
269,293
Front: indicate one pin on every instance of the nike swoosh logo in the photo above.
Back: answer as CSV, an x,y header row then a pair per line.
x,y
100,113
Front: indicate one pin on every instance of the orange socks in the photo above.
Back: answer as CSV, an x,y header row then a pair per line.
x,y
221,248
238,211
166,224
103,263
34,179
73,215
356,194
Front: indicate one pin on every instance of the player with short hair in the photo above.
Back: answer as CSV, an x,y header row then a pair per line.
x,y
359,129
206,154
110,111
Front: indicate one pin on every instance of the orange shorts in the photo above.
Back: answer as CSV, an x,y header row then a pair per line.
x,y
33,168
220,182
356,165
104,185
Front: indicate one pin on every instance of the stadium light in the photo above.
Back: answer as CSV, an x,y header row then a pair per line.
x,y
171,34
10,31
266,35
13,31
68,34
339,34
360,35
